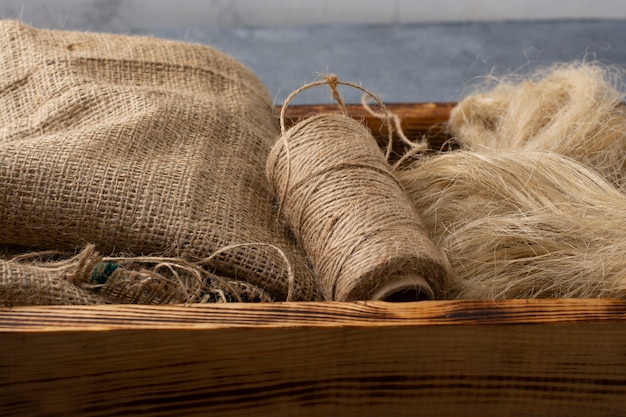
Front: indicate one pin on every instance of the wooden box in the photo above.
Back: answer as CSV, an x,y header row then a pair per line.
x,y
432,358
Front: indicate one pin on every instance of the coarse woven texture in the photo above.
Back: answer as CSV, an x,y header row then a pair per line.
x,y
54,283
142,147
574,109
88,278
153,280
522,224
32,285
357,226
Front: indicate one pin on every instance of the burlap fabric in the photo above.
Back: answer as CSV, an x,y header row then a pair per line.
x,y
140,146
28,284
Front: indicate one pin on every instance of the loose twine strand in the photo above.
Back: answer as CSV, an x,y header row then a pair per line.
x,y
390,118
79,268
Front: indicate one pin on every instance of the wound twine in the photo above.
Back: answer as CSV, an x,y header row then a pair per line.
x,y
358,228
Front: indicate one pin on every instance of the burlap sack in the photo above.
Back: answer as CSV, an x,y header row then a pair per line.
x,y
27,284
140,146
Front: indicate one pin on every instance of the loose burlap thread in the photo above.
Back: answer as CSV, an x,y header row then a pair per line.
x,y
39,278
27,280
142,147
358,228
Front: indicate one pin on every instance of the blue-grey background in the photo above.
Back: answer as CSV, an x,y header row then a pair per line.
x,y
410,62
404,51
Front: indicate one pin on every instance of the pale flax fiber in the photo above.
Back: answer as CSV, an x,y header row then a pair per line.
x,y
574,109
522,224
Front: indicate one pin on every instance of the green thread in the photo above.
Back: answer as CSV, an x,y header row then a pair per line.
x,y
102,271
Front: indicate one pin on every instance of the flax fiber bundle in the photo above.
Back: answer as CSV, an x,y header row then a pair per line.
x,y
522,224
350,215
141,147
574,109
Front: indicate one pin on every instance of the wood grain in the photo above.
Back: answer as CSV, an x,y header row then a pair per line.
x,y
437,358
417,119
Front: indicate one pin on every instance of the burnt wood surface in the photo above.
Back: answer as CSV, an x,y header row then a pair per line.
x,y
435,358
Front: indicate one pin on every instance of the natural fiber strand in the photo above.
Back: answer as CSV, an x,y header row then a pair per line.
x,y
333,81
574,109
35,278
389,116
176,280
522,224
30,279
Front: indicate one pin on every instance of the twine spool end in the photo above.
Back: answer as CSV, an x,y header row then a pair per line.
x,y
405,289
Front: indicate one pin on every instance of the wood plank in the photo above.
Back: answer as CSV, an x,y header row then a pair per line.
x,y
307,314
519,357
417,119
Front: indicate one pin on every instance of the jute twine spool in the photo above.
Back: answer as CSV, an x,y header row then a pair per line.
x,y
357,226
